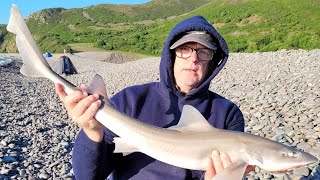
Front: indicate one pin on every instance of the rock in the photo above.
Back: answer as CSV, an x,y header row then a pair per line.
x,y
258,127
44,176
8,159
4,143
303,171
4,171
303,145
11,146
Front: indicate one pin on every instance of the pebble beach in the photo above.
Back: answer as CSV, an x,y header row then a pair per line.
x,y
278,93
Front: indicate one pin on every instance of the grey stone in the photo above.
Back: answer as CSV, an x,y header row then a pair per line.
x,y
44,176
258,127
4,143
4,171
11,145
303,145
304,171
8,159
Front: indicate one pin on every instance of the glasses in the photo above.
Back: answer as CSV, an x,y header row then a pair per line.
x,y
203,54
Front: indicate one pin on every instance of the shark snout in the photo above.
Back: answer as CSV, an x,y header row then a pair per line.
x,y
302,159
309,159
287,160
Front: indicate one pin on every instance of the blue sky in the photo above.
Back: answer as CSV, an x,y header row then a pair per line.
x,y
28,7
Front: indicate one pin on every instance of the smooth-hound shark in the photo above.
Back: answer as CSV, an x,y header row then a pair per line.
x,y
186,145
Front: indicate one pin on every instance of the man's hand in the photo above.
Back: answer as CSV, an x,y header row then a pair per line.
x,y
81,108
218,162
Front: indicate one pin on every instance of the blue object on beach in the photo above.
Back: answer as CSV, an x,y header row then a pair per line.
x,y
4,61
48,55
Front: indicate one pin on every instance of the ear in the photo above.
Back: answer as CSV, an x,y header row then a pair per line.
x,y
217,57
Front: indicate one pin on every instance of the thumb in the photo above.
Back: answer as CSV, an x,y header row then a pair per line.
x,y
59,90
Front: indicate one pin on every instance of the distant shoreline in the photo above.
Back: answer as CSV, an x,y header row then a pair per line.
x,y
103,56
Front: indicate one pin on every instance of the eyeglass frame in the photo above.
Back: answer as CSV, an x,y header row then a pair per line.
x,y
192,49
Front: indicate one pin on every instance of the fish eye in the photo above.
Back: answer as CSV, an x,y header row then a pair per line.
x,y
292,154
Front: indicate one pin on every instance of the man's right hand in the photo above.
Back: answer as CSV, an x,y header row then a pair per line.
x,y
81,108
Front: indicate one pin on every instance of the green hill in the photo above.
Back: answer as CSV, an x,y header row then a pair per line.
x,y
247,25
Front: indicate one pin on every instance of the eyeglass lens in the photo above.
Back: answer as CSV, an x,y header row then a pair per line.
x,y
204,54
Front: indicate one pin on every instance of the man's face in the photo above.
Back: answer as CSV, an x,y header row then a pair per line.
x,y
190,72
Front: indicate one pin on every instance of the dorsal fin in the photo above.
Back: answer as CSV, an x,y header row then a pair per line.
x,y
192,120
97,86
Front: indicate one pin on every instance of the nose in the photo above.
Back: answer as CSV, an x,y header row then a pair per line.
x,y
194,57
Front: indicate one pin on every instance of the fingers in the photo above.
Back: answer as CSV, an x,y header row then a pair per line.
x,y
87,120
226,161
83,87
216,163
210,170
71,100
59,90
82,106
220,161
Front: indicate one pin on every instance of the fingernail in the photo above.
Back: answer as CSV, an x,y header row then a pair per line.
x,y
85,93
96,96
223,155
215,153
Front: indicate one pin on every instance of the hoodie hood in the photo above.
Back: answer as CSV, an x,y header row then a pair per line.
x,y
196,23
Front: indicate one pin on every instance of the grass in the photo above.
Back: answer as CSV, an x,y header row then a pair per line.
x,y
84,47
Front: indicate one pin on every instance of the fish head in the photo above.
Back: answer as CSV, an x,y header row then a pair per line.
x,y
282,158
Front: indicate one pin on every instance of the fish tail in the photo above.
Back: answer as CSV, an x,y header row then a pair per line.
x,y
34,64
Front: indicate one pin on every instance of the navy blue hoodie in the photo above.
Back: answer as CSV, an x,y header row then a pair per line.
x,y
159,104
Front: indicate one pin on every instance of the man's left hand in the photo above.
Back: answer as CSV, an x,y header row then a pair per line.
x,y
218,162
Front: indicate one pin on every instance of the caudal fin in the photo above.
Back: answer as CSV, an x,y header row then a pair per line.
x,y
34,64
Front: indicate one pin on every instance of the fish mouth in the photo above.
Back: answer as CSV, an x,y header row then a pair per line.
x,y
291,169
287,170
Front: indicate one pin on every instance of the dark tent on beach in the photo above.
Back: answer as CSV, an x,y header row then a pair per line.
x,y
63,65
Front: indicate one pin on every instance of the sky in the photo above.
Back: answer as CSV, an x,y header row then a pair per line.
x,y
28,7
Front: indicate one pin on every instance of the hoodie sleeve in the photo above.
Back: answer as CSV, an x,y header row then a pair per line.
x,y
91,160
235,120
225,114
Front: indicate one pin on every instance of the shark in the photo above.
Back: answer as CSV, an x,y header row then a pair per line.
x,y
187,144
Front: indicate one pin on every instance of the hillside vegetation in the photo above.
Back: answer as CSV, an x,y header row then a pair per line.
x,y
247,25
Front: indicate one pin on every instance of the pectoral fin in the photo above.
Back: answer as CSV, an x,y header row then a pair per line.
x,y
235,171
123,147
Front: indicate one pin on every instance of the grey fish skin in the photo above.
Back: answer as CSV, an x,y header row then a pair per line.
x,y
185,145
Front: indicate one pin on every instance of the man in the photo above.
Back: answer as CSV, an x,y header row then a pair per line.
x,y
192,56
